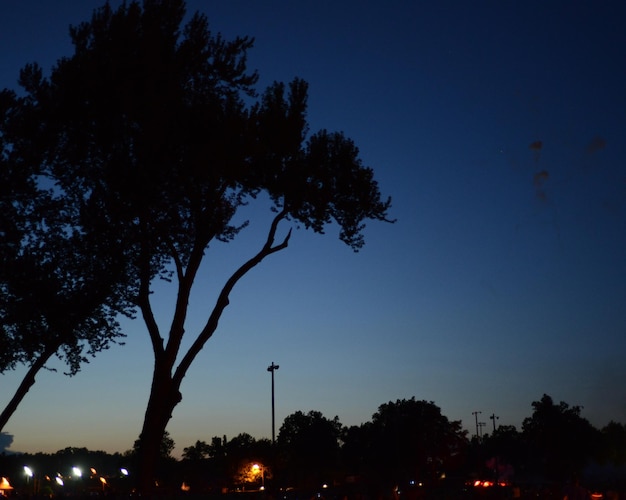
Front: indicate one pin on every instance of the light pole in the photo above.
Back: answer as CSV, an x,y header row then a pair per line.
x,y
259,469
29,474
494,417
476,413
272,368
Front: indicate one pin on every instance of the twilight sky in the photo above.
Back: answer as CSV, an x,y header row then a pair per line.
x,y
499,129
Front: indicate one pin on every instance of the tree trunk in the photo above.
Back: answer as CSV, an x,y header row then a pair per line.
x,y
24,387
164,396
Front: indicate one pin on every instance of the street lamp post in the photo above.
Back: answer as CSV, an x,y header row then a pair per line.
x,y
494,417
29,474
272,368
259,469
476,413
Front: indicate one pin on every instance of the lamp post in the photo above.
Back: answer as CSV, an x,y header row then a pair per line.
x,y
272,368
494,417
476,413
259,469
29,474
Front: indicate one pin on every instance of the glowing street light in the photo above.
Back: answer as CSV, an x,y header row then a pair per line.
x,y
4,485
256,469
77,472
29,473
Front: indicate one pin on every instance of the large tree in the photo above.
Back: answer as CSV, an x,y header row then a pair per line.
x,y
60,294
155,130
309,446
411,440
560,441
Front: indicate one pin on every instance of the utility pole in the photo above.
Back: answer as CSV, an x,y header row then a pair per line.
x,y
272,368
493,418
481,425
476,413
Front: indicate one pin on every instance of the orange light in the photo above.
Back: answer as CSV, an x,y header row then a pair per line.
x,y
485,484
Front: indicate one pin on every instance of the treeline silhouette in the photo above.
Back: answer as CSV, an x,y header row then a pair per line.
x,y
408,446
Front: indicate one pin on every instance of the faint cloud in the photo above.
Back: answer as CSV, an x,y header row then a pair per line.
x,y
5,442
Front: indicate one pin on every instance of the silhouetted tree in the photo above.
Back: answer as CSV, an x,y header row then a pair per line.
x,y
165,449
151,129
614,443
217,448
60,289
559,440
199,451
412,440
503,451
308,445
357,449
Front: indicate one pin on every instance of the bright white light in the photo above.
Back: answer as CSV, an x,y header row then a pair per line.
x,y
59,481
77,472
28,471
124,471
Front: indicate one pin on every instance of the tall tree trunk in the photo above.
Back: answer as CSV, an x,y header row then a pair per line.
x,y
24,387
165,390
164,396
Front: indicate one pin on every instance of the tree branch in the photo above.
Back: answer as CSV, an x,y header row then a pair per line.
x,y
144,301
25,385
185,282
223,298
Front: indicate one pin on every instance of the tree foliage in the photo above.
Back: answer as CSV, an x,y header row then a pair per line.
x,y
60,295
613,443
309,445
411,439
548,434
153,135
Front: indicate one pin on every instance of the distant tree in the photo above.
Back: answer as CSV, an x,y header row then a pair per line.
x,y
308,445
60,290
613,449
412,440
251,474
165,449
243,451
503,450
152,131
559,440
357,449
217,448
200,451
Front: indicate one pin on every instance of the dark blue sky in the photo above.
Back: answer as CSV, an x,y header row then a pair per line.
x,y
503,279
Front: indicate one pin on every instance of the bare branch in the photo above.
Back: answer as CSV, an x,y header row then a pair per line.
x,y
223,298
144,303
